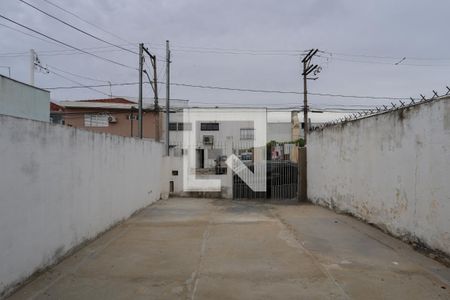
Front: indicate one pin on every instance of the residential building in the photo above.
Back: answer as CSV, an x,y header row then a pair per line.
x,y
215,136
117,116
22,100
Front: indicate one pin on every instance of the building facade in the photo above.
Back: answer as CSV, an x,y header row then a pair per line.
x,y
22,100
117,116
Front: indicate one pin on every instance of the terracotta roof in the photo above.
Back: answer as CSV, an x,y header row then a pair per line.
x,y
110,100
102,105
55,107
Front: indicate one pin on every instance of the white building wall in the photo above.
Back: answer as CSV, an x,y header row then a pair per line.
x,y
391,170
228,130
279,132
22,100
61,186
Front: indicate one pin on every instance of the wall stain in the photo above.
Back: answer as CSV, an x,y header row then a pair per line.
x,y
31,169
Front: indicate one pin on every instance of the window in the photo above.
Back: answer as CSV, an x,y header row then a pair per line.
x,y
247,133
184,126
180,126
173,126
209,126
96,120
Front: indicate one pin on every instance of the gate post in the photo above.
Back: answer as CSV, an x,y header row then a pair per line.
x,y
302,175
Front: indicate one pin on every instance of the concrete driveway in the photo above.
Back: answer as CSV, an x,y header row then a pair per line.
x,y
217,249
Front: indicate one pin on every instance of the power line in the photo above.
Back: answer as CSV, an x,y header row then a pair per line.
x,y
91,86
358,97
61,51
67,45
238,53
84,20
284,92
262,52
235,89
243,50
238,90
77,75
388,63
381,56
25,33
76,28
325,54
80,84
392,62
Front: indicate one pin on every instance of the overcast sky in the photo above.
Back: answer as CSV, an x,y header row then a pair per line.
x,y
265,39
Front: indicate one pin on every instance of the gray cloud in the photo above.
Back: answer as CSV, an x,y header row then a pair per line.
x,y
377,28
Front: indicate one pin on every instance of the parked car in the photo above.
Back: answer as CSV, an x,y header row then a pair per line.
x,y
246,158
221,165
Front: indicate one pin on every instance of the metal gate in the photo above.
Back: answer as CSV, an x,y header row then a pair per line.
x,y
281,177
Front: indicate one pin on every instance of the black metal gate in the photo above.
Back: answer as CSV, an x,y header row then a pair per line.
x,y
281,182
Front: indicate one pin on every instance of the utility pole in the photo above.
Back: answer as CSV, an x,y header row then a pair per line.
x,y
167,96
307,69
32,61
305,104
154,85
141,66
155,93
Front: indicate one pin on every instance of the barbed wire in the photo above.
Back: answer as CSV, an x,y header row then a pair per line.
x,y
378,110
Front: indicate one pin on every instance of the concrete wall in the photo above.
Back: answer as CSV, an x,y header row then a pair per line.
x,y
60,186
391,170
22,100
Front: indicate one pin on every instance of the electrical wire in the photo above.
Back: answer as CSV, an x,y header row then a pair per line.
x,y
91,86
62,51
392,60
76,28
67,45
381,57
284,92
237,53
388,63
85,21
25,33
80,84
239,90
76,75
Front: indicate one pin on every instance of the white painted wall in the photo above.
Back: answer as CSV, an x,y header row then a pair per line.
x,y
280,132
22,100
392,170
174,162
60,186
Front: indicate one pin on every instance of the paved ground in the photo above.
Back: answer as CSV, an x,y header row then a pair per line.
x,y
216,249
